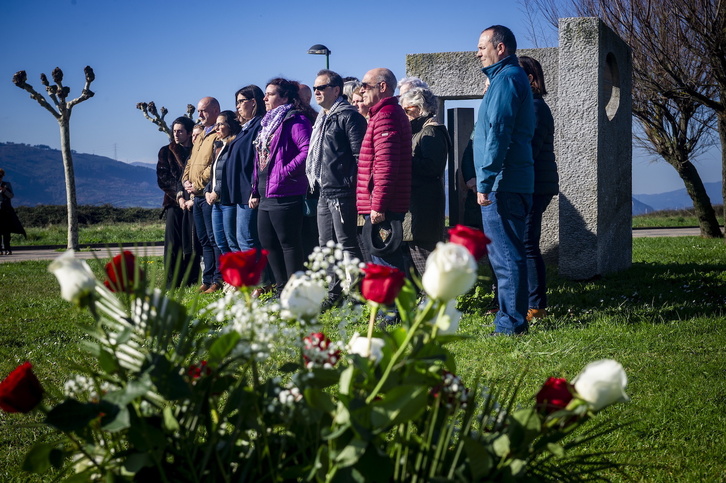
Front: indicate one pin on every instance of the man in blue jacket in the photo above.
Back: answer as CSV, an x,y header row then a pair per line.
x,y
505,172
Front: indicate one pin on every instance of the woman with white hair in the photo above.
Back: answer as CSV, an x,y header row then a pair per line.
x,y
431,145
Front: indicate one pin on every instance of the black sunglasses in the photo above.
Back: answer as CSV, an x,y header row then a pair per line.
x,y
322,87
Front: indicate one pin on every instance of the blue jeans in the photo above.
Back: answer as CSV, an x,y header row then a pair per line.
x,y
224,222
536,273
504,224
247,237
205,232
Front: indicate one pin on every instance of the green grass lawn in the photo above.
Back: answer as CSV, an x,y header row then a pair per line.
x,y
103,233
663,319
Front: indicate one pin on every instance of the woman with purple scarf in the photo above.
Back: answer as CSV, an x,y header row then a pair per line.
x,y
279,182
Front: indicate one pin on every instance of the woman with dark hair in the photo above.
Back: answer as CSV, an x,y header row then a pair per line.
x,y
279,182
546,185
241,163
224,211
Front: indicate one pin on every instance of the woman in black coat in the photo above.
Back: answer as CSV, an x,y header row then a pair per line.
x,y
9,222
431,144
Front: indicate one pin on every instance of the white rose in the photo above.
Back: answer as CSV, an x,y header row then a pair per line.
x,y
448,322
602,383
359,345
75,277
450,271
302,298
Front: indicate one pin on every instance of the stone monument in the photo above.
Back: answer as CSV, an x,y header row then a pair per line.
x,y
587,228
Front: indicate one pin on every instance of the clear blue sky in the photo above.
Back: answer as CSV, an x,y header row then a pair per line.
x,y
174,53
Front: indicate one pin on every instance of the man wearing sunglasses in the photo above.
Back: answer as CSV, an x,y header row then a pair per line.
x,y
383,190
332,166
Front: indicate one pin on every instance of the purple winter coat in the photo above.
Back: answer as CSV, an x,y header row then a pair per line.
x,y
288,151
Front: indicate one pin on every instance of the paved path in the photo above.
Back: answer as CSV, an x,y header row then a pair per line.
x,y
23,253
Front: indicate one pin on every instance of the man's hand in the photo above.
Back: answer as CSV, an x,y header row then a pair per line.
x,y
483,199
211,197
377,217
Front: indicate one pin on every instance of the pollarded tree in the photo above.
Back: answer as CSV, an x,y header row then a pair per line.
x,y
675,124
62,113
152,114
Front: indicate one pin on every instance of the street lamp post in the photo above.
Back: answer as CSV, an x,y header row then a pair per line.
x,y
320,49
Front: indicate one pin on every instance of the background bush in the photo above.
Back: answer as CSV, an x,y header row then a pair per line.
x,y
44,215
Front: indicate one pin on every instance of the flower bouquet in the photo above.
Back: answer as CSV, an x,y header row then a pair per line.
x,y
243,390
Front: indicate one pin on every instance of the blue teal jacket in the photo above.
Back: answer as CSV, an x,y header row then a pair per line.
x,y
504,130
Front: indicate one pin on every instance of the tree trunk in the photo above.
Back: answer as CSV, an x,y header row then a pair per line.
x,y
722,136
707,220
65,134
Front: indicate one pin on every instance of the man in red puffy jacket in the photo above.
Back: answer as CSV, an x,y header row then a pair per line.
x,y
383,188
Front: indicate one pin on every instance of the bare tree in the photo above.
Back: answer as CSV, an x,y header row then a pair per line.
x,y
62,113
151,113
674,124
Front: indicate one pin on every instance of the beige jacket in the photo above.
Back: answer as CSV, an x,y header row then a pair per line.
x,y
199,167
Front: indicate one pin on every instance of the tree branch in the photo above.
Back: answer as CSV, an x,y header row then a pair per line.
x,y
20,78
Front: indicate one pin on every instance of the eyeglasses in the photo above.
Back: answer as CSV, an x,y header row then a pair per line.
x,y
367,86
240,101
322,87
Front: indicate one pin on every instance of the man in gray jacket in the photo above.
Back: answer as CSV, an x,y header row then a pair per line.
x,y
332,166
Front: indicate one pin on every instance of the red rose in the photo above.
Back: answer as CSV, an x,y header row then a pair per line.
x,y
243,269
556,393
120,272
21,391
196,371
381,284
474,240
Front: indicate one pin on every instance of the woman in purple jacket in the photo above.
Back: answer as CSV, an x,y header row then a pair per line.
x,y
279,182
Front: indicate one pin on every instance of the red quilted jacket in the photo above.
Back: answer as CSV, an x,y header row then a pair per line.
x,y
384,164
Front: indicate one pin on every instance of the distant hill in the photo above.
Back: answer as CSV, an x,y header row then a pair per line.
x,y
141,164
641,208
36,173
679,199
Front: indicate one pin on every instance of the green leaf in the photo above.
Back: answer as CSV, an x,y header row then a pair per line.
x,y
501,446
38,459
400,404
120,422
346,378
170,422
86,476
480,461
351,453
222,347
108,362
134,389
135,461
167,379
319,399
71,415
406,302
556,449
289,368
524,428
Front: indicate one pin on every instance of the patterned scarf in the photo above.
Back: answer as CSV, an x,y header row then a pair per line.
x,y
270,124
314,163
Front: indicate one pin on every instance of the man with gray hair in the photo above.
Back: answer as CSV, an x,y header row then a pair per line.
x,y
332,166
196,175
505,172
383,190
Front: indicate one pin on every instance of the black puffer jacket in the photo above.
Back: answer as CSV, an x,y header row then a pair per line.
x,y
546,179
343,133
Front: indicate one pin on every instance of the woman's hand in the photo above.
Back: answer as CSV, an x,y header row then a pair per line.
x,y
254,202
211,197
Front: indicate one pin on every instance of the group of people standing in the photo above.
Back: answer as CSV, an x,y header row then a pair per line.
x,y
274,171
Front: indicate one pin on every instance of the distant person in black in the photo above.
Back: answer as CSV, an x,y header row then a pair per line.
x,y
179,239
9,222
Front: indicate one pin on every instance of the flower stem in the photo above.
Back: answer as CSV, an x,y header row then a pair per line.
x,y
371,321
411,332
